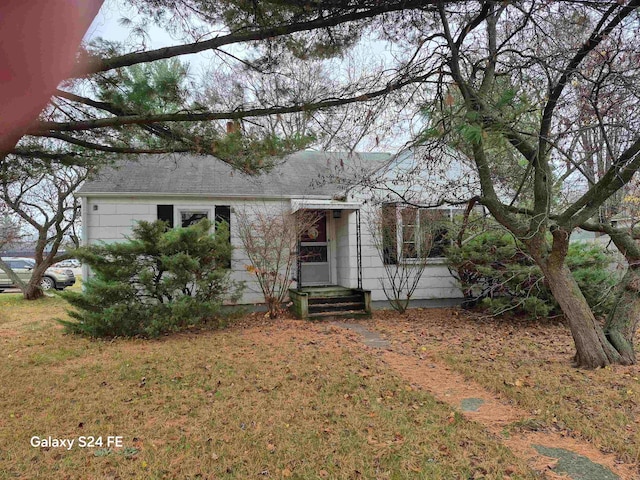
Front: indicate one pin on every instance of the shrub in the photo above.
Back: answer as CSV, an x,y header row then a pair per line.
x,y
270,238
157,281
497,274
402,275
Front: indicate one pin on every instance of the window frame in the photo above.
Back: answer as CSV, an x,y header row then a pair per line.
x,y
193,210
398,255
20,263
215,213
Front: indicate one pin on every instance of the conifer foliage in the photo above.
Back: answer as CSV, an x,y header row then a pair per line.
x,y
156,282
495,271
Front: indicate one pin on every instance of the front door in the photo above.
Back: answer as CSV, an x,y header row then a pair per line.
x,y
314,254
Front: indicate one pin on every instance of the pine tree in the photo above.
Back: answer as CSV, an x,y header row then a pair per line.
x,y
156,282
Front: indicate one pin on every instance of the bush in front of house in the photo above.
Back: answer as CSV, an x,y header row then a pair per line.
x,y
157,281
496,274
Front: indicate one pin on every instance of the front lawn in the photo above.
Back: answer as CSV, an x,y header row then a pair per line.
x,y
529,362
284,399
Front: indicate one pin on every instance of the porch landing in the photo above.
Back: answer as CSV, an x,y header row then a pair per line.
x,y
328,302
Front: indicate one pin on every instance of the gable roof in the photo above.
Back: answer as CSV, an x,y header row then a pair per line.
x,y
300,174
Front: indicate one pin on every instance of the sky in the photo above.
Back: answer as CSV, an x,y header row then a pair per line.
x,y
107,25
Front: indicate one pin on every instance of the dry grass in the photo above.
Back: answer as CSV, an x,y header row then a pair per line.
x,y
259,400
530,363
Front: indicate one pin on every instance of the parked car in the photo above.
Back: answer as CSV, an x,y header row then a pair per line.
x,y
69,263
53,277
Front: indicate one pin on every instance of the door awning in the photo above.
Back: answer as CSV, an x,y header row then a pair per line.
x,y
308,204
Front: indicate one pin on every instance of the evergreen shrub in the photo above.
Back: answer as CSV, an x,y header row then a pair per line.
x,y
496,274
159,280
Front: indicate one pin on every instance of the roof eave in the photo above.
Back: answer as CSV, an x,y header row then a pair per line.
x,y
202,195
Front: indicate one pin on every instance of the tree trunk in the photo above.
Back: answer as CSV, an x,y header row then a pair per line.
x,y
593,350
273,307
620,327
623,318
31,290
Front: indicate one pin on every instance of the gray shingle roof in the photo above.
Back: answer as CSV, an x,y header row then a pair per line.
x,y
300,174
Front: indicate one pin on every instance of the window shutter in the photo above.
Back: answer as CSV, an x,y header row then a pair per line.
x,y
165,213
389,234
223,214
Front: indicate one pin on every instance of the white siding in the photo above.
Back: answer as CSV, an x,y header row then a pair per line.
x,y
114,219
110,219
436,281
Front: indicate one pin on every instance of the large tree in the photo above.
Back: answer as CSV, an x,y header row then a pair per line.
x,y
81,115
40,195
504,82
517,74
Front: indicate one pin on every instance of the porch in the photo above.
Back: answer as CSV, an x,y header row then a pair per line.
x,y
318,303
328,274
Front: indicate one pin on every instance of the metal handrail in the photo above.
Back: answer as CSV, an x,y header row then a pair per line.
x,y
359,249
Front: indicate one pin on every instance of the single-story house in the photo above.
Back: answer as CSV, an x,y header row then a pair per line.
x,y
182,189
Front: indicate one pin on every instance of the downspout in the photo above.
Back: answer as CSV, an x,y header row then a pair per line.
x,y
358,249
298,265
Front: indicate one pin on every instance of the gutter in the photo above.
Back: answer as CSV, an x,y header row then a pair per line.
x,y
200,195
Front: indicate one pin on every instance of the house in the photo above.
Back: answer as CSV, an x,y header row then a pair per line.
x,y
182,189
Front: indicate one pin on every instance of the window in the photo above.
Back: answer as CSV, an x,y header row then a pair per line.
x,y
191,217
410,233
389,234
13,264
165,213
413,233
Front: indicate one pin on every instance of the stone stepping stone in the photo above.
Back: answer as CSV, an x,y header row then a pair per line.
x,y
371,339
471,404
578,467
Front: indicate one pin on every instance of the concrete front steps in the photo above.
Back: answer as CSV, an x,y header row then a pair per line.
x,y
319,303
